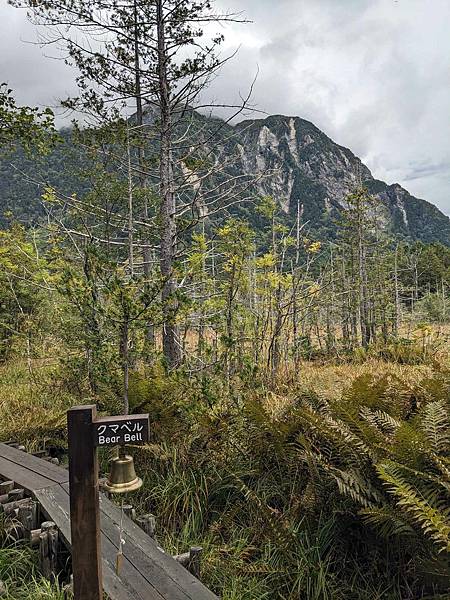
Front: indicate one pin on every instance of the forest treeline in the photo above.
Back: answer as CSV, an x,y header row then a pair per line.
x,y
261,299
154,255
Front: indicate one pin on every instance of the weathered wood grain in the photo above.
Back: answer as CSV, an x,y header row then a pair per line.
x,y
144,550
84,508
40,467
23,477
55,502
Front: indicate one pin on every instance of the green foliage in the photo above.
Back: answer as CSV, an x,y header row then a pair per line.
x,y
405,351
22,283
385,443
18,572
64,166
316,497
343,498
29,127
419,504
433,308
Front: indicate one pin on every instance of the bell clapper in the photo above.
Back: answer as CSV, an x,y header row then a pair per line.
x,y
122,478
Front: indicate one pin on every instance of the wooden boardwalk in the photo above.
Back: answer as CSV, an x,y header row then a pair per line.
x,y
146,572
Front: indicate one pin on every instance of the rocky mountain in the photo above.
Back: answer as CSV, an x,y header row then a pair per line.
x,y
288,157
309,169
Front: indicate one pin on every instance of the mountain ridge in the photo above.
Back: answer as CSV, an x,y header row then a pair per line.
x,y
317,167
291,160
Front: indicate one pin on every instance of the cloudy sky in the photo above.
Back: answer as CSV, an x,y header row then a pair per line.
x,y
372,74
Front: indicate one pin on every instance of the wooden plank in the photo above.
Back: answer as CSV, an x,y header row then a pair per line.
x,y
115,587
54,502
158,568
150,574
144,553
23,477
146,572
129,575
55,505
34,464
131,585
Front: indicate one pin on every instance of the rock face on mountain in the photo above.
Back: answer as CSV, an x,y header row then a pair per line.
x,y
307,169
289,159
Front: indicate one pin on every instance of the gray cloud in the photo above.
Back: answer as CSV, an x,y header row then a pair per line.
x,y
37,76
428,170
373,74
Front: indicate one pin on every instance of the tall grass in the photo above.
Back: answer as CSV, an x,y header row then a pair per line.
x,y
285,488
32,404
291,486
20,577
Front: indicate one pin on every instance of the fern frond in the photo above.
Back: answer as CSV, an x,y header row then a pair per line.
x,y
353,484
433,521
381,420
338,432
388,521
279,531
442,463
261,569
436,427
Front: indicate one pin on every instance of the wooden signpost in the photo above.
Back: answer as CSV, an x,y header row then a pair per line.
x,y
86,432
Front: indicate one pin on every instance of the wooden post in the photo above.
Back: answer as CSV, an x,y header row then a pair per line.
x,y
48,550
147,523
191,560
35,538
6,487
28,518
194,560
84,504
16,494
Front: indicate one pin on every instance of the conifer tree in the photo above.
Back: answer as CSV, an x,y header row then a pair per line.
x,y
152,59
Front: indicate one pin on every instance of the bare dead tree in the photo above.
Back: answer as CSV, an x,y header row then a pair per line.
x,y
152,60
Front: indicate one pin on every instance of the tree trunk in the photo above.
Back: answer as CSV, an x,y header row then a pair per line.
x,y
229,326
150,333
274,349
130,211
397,294
168,231
124,341
363,300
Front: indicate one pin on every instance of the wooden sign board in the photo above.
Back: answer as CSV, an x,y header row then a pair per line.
x,y
86,432
124,429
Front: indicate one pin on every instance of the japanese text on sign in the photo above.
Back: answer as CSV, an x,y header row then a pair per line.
x,y
129,429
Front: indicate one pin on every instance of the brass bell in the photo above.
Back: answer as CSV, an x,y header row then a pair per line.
x,y
122,477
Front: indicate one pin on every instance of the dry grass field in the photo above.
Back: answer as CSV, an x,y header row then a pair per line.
x,y
214,470
34,396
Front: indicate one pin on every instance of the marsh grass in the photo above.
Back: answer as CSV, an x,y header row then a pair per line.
x,y
19,575
239,473
32,404
270,496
